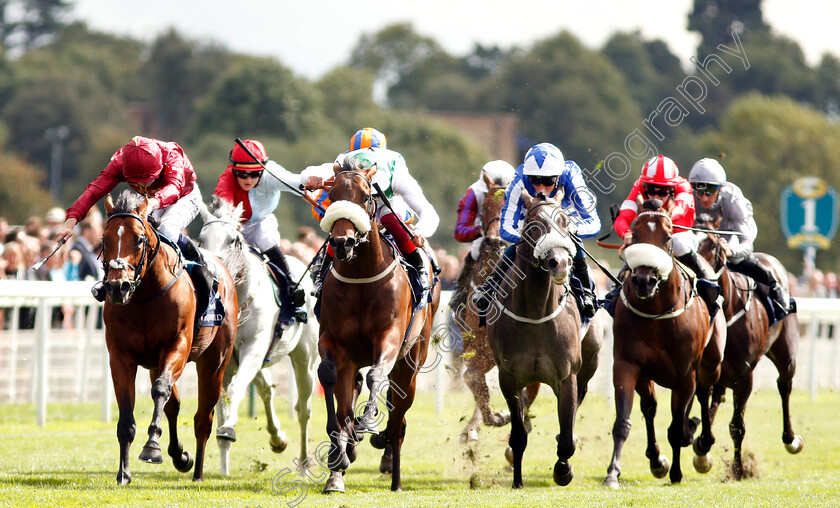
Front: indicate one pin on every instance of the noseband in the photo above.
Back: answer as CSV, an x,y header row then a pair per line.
x,y
346,209
548,240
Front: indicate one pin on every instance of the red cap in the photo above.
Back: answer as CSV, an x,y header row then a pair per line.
x,y
239,158
142,159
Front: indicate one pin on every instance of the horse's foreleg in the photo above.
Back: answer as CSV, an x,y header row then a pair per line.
x,y
182,460
740,394
624,379
379,386
681,396
659,464
338,386
708,373
123,378
566,409
162,384
277,438
783,356
518,440
590,347
402,397
250,360
223,440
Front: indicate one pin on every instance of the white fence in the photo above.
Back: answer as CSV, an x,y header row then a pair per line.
x,y
46,364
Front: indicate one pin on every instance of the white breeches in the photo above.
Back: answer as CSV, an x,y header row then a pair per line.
x,y
683,243
262,234
177,216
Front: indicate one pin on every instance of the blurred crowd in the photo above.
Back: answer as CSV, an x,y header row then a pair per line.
x,y
77,260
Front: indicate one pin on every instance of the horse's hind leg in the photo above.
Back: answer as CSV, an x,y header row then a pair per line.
x,y
182,460
303,362
740,394
566,409
277,438
224,439
783,356
123,378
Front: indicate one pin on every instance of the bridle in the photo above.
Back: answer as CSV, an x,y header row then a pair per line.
x,y
369,204
536,261
491,192
143,264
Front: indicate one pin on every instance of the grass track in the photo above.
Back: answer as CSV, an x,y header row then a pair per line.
x,y
72,461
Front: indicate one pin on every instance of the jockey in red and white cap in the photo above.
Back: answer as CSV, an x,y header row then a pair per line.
x,y
244,182
158,170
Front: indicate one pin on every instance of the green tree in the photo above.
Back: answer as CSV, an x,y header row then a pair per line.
x,y
259,96
21,194
31,23
347,95
715,20
767,143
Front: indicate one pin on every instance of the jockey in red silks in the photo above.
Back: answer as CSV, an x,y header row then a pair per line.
x,y
244,182
468,226
160,171
661,180
369,147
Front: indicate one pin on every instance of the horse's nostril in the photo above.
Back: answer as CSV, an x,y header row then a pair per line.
x,y
351,242
553,263
124,286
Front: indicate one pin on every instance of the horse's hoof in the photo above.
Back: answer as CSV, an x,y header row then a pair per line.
x,y
335,483
563,473
386,464
123,478
528,426
469,435
185,462
363,426
610,483
509,455
662,467
226,433
500,419
280,446
703,463
699,449
151,454
796,445
379,441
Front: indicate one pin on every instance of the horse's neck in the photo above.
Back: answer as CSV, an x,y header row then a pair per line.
x,y
253,273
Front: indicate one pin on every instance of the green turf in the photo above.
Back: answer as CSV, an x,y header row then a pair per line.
x,y
72,461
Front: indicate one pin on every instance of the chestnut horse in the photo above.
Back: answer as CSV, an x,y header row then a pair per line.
x,y
149,317
662,335
366,319
534,331
478,357
748,339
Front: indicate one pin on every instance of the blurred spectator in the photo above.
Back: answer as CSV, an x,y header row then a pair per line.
x,y
830,283
816,284
52,220
13,258
308,236
84,252
450,268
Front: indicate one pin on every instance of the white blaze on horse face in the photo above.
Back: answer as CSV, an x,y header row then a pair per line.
x,y
645,254
652,226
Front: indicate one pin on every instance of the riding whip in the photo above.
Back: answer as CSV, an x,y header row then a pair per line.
x,y
293,189
388,204
40,263
579,245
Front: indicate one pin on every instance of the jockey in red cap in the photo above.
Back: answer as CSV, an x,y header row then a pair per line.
x,y
160,171
243,181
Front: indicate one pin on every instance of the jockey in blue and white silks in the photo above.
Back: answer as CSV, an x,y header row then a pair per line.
x,y
545,171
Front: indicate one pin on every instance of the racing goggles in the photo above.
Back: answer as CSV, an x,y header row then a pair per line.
x,y
242,174
651,189
706,188
547,181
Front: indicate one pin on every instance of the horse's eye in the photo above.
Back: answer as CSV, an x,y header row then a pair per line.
x,y
140,240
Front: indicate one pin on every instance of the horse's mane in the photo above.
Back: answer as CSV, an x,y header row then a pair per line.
x,y
354,164
233,258
222,208
128,201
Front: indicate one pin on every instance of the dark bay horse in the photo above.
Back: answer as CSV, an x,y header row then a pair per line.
x,y
535,332
748,339
663,336
478,357
149,320
366,319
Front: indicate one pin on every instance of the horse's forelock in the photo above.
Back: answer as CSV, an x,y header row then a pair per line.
x,y
128,201
652,204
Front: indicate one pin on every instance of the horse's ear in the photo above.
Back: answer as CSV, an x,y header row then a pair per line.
x,y
143,209
528,199
109,204
237,211
640,201
369,172
487,180
336,168
205,213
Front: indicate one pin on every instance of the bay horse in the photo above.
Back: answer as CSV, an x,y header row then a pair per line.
x,y
149,317
662,334
366,319
748,339
478,358
256,349
535,332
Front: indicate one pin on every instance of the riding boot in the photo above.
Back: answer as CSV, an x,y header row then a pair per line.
x,y
416,260
459,294
752,267
278,259
609,301
484,293
708,290
587,299
321,274
200,273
